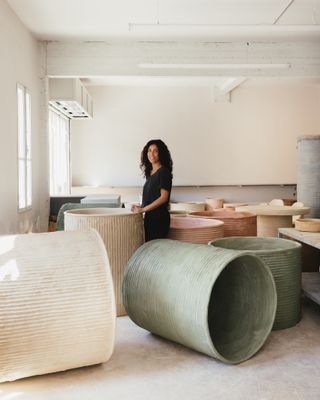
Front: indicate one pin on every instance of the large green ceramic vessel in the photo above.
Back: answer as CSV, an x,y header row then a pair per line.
x,y
283,257
218,302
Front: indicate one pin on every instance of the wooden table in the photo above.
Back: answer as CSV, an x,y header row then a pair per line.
x,y
310,260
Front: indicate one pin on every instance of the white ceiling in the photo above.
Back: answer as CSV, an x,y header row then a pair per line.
x,y
214,20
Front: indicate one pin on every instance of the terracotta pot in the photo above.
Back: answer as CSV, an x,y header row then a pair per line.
x,y
195,230
288,202
122,232
212,204
235,223
187,206
57,303
219,302
283,257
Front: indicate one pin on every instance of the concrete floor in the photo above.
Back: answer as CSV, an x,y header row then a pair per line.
x,y
147,367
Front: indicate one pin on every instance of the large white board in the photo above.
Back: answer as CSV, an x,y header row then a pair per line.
x,y
250,140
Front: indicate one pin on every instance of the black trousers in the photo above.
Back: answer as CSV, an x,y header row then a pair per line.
x,y
156,226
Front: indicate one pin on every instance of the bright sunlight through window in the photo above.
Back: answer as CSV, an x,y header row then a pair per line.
x,y
59,154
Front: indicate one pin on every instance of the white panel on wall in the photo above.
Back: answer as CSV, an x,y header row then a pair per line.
x,y
21,62
251,140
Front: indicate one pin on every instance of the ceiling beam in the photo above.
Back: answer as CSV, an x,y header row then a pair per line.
x,y
301,59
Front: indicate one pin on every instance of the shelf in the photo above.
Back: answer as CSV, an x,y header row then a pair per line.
x,y
311,285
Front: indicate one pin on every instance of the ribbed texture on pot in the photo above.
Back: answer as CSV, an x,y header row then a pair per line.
x,y
195,230
76,206
235,223
308,225
57,303
212,204
283,257
187,206
308,177
212,300
122,232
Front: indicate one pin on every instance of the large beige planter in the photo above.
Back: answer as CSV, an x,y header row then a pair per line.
x,y
195,230
57,307
271,218
122,232
187,206
235,223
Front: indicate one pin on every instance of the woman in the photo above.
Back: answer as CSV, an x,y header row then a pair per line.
x,y
156,165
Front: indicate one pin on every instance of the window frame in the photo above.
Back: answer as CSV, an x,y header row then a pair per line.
x,y
24,143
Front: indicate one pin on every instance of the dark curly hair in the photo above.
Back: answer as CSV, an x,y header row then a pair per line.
x,y
164,157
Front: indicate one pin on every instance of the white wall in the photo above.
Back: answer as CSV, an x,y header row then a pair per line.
x,y
20,62
251,140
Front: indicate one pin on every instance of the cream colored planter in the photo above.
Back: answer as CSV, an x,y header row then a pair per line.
x,y
122,232
271,218
187,206
57,307
308,225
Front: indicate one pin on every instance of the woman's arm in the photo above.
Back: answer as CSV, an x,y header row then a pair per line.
x,y
164,197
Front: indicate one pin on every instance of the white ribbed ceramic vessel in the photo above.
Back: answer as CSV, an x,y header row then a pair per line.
x,y
187,206
57,307
122,232
308,176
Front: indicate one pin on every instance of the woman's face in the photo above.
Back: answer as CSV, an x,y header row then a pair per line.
x,y
153,153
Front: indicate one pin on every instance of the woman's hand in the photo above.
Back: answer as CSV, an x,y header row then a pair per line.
x,y
136,208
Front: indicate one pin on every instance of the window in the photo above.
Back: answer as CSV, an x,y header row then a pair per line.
x,y
59,150
24,148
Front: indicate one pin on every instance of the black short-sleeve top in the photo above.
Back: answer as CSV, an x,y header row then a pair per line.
x,y
162,179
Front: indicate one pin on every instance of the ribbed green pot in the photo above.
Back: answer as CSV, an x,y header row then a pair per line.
x,y
283,257
219,302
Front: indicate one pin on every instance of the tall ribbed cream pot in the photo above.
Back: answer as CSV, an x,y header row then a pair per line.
x,y
122,232
57,307
308,176
218,302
